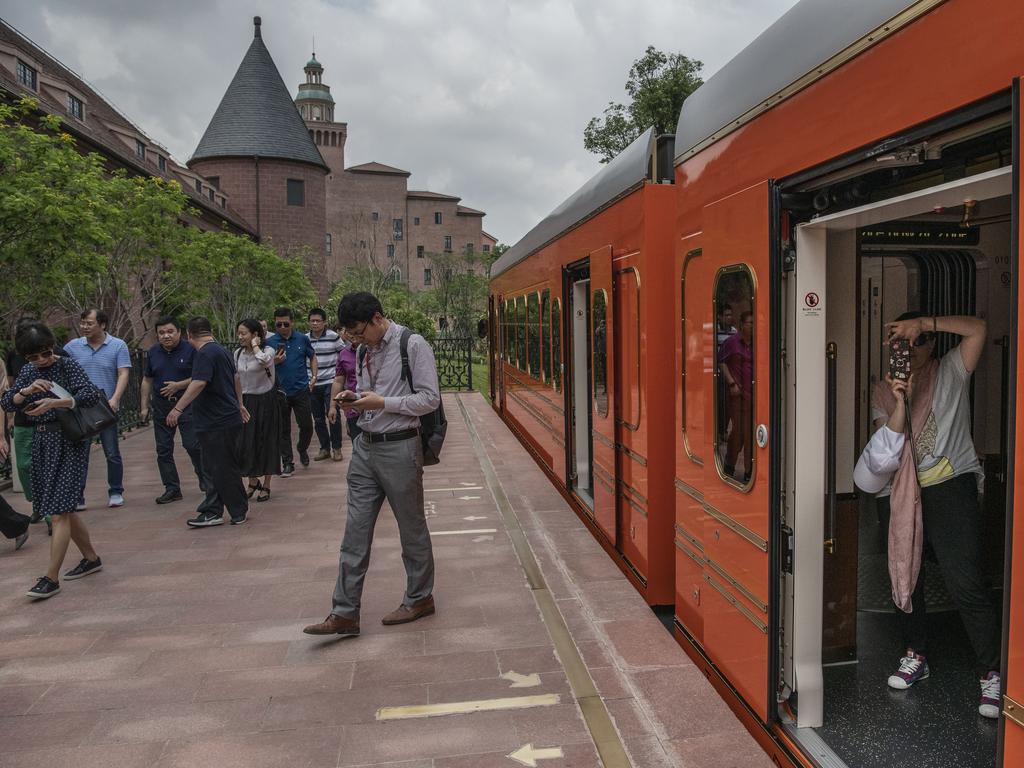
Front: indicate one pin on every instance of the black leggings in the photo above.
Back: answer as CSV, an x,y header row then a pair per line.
x,y
952,526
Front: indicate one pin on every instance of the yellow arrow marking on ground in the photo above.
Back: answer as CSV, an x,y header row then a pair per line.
x,y
521,681
466,707
529,755
459,533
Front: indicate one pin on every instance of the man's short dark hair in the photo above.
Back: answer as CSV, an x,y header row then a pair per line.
x,y
101,317
317,311
33,337
283,312
167,320
358,308
199,326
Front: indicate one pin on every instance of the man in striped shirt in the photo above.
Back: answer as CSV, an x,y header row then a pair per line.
x,y
326,346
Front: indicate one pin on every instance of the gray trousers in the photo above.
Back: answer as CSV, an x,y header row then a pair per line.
x,y
376,471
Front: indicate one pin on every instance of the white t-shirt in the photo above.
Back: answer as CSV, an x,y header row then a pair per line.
x,y
945,447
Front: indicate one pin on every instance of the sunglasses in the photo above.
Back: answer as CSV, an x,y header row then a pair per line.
x,y
282,325
46,354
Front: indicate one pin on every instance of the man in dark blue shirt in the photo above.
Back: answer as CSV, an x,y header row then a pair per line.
x,y
293,386
168,373
217,417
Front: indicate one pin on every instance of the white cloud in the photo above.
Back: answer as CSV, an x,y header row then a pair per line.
x,y
486,99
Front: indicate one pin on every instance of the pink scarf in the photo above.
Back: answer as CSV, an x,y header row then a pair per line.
x,y
906,527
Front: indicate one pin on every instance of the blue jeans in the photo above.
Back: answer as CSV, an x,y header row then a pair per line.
x,y
115,468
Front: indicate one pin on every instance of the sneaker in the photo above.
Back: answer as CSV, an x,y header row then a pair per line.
x,y
240,520
116,500
206,519
304,458
44,588
81,507
287,470
19,541
336,455
991,692
84,568
913,668
168,496
322,454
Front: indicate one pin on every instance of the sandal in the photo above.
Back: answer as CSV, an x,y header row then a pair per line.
x,y
264,494
253,489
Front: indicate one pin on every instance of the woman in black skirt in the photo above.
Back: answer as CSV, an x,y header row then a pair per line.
x,y
260,453
58,465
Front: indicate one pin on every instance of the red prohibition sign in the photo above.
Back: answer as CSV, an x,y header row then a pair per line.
x,y
811,299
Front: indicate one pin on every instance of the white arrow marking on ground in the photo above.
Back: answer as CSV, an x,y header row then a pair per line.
x,y
461,533
474,486
468,498
471,518
528,755
467,488
466,707
521,681
478,539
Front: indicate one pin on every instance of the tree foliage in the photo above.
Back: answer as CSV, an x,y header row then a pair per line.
x,y
399,304
658,84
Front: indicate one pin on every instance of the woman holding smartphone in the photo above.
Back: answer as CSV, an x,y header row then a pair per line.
x,y
254,362
58,465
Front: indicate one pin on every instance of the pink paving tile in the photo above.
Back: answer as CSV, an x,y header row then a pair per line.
x,y
736,749
37,670
216,659
135,692
644,643
49,644
425,669
649,752
485,638
275,681
561,724
106,756
62,730
683,702
178,721
17,699
574,756
629,719
165,639
541,658
304,748
610,683
308,649
338,708
498,688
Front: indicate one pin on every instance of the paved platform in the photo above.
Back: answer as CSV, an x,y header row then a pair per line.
x,y
187,649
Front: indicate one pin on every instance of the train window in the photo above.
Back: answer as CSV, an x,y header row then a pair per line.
x,y
599,312
627,310
696,357
545,334
521,333
533,334
733,311
556,344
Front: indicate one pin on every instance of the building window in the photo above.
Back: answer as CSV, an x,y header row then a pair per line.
x,y
161,162
209,194
140,150
486,248
375,215
362,243
296,192
437,217
428,279
419,251
416,221
27,75
447,242
327,242
391,250
222,202
199,186
75,107
397,227
213,181
469,248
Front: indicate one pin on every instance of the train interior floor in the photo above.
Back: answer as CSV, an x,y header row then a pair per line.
x,y
935,723
187,649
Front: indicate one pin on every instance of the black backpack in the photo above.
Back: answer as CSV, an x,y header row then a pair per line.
x,y
434,425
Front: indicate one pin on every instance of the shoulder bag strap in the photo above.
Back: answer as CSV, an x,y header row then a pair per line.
x,y
403,348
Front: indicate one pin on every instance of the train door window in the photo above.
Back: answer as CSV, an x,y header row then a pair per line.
x,y
499,339
694,359
521,333
545,334
734,374
533,334
556,344
510,328
628,311
599,320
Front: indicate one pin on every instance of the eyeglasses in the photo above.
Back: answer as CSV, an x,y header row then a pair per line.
x,y
359,333
282,325
923,339
46,354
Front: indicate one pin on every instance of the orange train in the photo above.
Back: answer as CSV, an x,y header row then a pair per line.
x,y
687,345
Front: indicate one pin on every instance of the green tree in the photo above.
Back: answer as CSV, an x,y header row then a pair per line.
x,y
405,308
657,85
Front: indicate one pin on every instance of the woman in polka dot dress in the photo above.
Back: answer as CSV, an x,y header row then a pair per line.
x,y
58,465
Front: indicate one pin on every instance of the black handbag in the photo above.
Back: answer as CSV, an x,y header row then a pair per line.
x,y
85,421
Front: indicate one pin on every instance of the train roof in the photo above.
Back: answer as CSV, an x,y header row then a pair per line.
x,y
809,35
628,170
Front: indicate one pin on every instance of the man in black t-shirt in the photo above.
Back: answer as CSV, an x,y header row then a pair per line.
x,y
217,417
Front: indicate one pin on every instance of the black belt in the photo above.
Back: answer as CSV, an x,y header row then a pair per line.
x,y
388,437
50,426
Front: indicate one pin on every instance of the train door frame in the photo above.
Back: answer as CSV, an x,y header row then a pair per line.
x,y
577,384
806,472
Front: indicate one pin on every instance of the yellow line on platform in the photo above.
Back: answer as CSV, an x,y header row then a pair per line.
x,y
467,707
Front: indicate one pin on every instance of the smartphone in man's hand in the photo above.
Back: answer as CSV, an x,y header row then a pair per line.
x,y
346,398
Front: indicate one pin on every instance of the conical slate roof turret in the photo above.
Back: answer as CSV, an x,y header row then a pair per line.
x,y
257,116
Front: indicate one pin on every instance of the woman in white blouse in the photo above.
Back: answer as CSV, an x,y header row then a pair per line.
x,y
260,454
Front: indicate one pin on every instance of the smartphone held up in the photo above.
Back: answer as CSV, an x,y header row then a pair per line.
x,y
899,358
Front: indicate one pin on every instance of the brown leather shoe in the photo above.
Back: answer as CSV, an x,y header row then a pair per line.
x,y
407,613
334,625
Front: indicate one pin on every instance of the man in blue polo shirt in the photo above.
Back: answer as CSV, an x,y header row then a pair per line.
x,y
106,361
167,375
294,386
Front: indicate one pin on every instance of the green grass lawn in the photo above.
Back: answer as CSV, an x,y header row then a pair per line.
x,y
481,376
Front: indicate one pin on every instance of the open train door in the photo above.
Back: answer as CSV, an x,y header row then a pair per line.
x,y
604,414
1012,726
735,594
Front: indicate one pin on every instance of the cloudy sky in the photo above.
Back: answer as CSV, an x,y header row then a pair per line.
x,y
486,99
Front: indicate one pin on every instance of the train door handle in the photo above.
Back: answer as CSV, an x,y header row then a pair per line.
x,y
696,596
718,534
